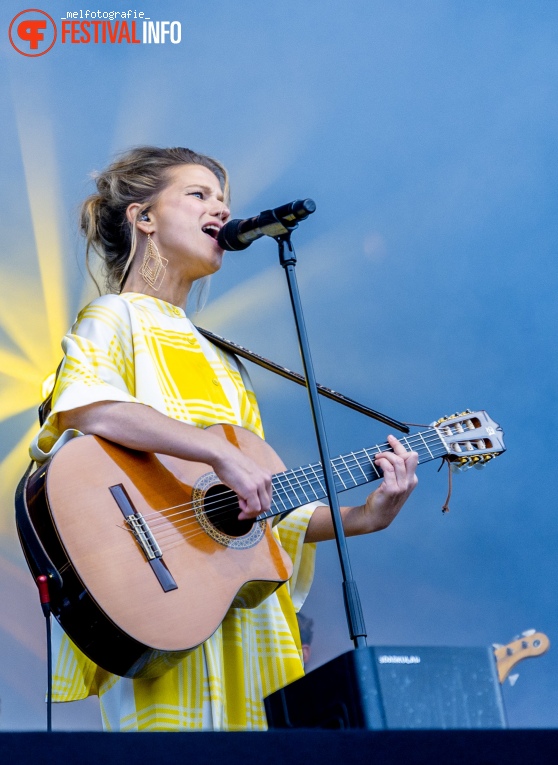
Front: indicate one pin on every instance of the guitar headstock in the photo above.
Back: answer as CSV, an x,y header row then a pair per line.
x,y
472,439
528,644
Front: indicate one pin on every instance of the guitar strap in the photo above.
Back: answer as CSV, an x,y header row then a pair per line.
x,y
297,378
271,366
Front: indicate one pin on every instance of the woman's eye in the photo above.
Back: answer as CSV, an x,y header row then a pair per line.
x,y
198,194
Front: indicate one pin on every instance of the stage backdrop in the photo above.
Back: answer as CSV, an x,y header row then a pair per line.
x,y
426,133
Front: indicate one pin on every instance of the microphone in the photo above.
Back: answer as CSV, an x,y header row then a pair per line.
x,y
239,234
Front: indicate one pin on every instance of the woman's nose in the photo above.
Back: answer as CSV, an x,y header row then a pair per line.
x,y
224,214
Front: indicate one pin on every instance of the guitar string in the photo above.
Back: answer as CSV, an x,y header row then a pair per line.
x,y
433,438
221,509
218,507
176,536
339,464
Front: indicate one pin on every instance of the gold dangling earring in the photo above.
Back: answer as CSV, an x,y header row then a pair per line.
x,y
153,267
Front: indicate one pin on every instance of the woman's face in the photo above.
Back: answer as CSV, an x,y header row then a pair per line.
x,y
186,219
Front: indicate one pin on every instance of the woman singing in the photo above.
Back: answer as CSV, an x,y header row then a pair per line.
x,y
138,373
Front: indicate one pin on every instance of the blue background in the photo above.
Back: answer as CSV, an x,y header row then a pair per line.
x,y
426,133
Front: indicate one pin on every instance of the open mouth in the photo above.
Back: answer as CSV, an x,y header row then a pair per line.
x,y
211,230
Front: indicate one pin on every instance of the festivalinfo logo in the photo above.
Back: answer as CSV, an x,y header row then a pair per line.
x,y
33,32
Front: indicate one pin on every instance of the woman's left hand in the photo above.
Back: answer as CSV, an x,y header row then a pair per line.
x,y
381,506
400,479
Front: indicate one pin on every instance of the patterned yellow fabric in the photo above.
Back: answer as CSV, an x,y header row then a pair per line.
x,y
136,348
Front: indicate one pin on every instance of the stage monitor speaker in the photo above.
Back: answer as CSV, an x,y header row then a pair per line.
x,y
386,687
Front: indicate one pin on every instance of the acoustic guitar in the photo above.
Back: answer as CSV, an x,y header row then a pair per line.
x,y
145,553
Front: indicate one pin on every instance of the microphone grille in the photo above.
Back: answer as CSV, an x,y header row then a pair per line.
x,y
228,237
302,208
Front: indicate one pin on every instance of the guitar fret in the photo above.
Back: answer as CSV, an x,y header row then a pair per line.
x,y
348,469
371,461
307,498
364,462
338,475
439,441
291,487
320,484
281,490
359,466
309,484
427,447
295,487
412,446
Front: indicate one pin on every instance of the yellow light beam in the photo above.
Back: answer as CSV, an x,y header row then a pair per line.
x,y
23,318
12,365
36,138
11,470
16,398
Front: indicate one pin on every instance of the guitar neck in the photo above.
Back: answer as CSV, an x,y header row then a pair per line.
x,y
296,487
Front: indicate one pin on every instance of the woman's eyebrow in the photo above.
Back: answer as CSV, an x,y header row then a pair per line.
x,y
206,189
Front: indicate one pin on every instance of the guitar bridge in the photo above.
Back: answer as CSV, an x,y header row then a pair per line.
x,y
143,534
144,537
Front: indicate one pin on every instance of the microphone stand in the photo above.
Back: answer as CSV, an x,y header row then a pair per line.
x,y
353,610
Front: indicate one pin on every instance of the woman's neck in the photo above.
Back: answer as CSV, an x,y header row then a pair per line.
x,y
171,290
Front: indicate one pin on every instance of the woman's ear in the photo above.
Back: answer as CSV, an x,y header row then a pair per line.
x,y
141,220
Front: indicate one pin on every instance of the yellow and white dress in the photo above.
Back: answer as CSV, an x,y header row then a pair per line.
x,y
136,348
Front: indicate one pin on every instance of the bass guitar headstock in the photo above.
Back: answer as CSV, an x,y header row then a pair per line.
x,y
530,643
471,438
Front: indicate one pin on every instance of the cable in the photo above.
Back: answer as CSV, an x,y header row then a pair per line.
x,y
42,583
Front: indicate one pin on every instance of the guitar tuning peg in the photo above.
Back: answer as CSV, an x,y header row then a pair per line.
x,y
478,465
496,646
528,633
513,679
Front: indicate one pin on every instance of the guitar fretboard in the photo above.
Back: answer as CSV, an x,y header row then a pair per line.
x,y
296,487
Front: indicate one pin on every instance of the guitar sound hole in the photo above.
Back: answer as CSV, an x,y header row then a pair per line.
x,y
221,509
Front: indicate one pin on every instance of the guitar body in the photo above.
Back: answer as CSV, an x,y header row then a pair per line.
x,y
145,555
133,618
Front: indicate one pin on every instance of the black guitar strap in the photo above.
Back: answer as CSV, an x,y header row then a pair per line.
x,y
271,366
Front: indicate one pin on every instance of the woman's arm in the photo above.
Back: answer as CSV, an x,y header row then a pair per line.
x,y
140,427
381,506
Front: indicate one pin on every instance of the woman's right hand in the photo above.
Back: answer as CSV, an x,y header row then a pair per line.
x,y
250,482
137,426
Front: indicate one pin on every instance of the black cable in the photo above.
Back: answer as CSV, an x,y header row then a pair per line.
x,y
49,675
42,583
